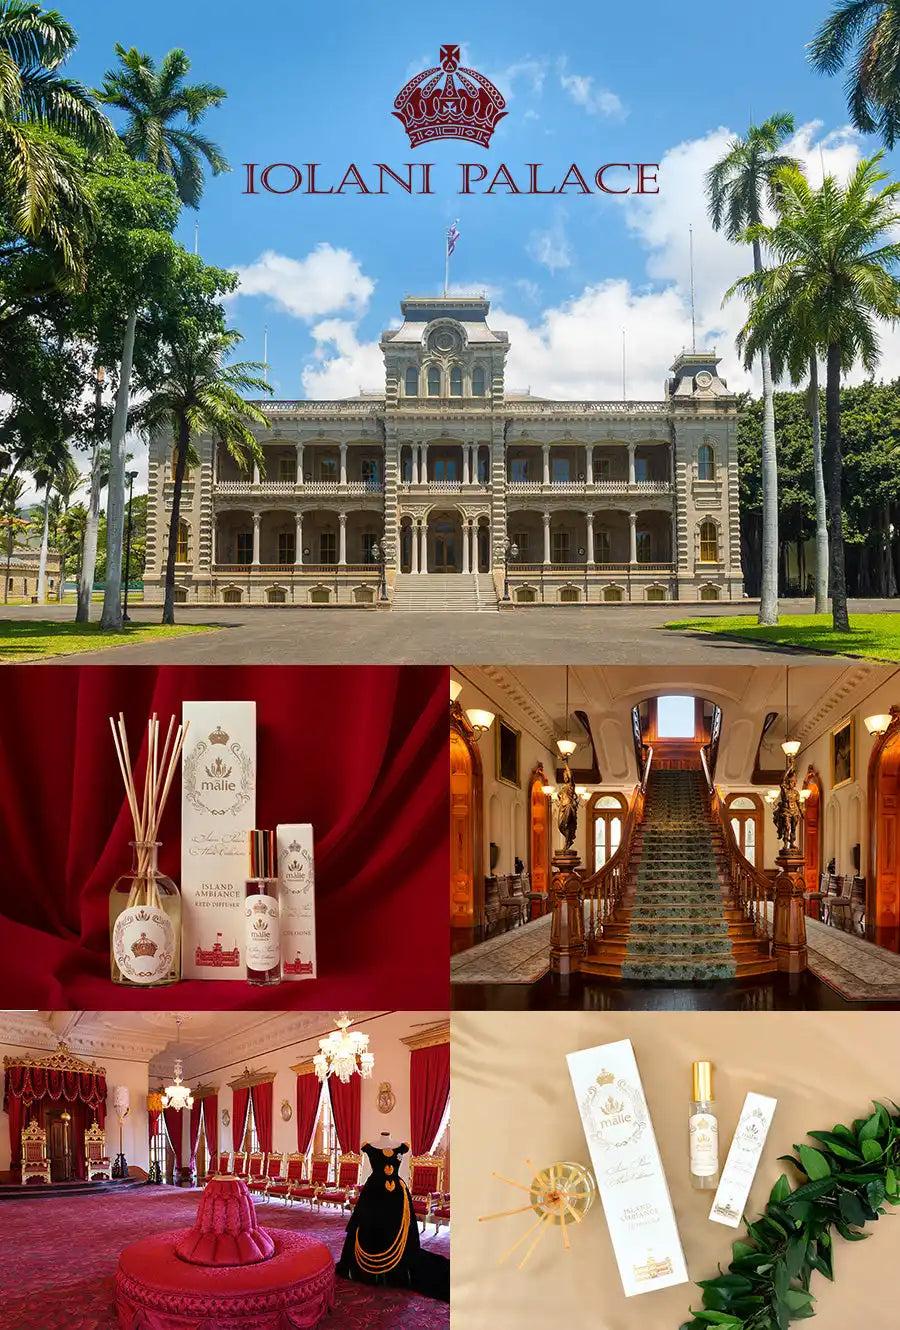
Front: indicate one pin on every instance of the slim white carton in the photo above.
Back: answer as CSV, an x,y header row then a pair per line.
x,y
296,893
743,1159
218,808
628,1167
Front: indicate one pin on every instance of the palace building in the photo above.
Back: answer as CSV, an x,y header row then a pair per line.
x,y
449,489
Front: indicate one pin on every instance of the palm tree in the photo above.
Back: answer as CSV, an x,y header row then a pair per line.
x,y
41,186
11,524
200,394
68,481
832,277
163,114
737,188
866,34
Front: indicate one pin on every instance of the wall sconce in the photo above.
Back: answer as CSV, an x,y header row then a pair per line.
x,y
772,796
804,795
583,792
566,747
481,721
877,725
455,689
791,747
548,790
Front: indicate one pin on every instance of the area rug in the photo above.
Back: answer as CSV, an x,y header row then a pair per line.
x,y
60,1261
520,956
858,970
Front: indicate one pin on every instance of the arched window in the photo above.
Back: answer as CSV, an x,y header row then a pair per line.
x,y
745,814
607,817
456,381
709,541
181,549
434,381
411,385
706,462
478,381
643,546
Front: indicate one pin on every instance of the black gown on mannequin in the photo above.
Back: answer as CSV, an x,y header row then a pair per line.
x,y
382,1242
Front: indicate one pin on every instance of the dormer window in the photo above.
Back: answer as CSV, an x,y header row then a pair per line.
x,y
411,385
434,381
706,462
478,381
456,381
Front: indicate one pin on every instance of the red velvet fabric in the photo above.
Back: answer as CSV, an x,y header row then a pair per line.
x,y
366,753
239,1117
211,1127
153,1116
27,1089
194,1132
172,1119
346,1103
429,1090
262,1114
309,1092
227,1231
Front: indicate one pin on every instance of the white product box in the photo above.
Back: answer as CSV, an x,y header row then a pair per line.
x,y
743,1159
297,896
628,1167
218,808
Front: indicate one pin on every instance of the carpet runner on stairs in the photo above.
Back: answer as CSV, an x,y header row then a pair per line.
x,y
678,929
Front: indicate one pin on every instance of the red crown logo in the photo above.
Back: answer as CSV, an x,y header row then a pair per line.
x,y
144,946
449,102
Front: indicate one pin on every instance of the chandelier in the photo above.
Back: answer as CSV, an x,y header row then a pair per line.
x,y
341,1054
177,1095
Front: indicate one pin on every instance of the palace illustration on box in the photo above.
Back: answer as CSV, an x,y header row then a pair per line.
x,y
450,490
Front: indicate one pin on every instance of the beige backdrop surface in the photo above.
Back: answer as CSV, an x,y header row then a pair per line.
x,y
512,1099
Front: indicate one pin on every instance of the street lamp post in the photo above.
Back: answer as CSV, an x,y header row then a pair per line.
x,y
582,554
131,477
510,551
380,554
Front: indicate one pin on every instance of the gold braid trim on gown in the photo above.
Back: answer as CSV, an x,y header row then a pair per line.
x,y
381,1263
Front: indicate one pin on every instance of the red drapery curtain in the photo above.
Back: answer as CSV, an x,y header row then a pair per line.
x,y
194,1132
172,1119
346,1105
262,1114
429,1090
153,1121
27,1089
211,1127
239,1118
309,1092
382,830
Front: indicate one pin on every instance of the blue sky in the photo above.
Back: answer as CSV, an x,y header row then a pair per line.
x,y
653,82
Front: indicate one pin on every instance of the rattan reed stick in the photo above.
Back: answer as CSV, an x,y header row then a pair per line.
x,y
159,772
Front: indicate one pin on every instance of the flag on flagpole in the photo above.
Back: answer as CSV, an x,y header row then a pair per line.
x,y
452,237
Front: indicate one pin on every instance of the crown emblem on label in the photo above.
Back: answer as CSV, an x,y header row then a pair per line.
x,y
218,736
612,1107
605,1078
295,847
449,102
218,770
144,946
260,907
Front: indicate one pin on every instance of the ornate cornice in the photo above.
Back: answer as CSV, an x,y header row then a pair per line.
x,y
60,1060
249,1077
505,689
437,1034
205,1091
42,1031
306,1068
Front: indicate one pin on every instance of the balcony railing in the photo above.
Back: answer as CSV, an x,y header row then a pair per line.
x,y
578,569
270,488
297,569
589,487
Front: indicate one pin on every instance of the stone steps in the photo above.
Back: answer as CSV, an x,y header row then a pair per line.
x,y
444,592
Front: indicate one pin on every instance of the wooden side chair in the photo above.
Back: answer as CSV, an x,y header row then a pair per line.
x,y
510,904
97,1163
425,1174
35,1162
223,1161
239,1164
272,1174
346,1188
292,1177
839,904
318,1180
256,1171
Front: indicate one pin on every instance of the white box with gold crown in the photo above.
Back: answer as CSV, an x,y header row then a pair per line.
x,y
628,1167
218,808
297,897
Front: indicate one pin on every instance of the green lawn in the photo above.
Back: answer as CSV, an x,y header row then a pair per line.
x,y
876,635
22,640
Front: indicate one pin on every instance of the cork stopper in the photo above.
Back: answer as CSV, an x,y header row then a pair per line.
x,y
262,854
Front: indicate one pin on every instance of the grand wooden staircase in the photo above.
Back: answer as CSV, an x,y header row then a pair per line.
x,y
678,902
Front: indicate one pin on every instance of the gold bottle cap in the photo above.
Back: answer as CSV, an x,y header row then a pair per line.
x,y
702,1081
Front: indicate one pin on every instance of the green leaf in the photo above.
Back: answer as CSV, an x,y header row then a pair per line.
x,y
836,1144
875,1193
720,1318
870,1128
780,1191
871,1150
814,1163
795,1254
852,1209
811,1191
795,1298
739,1249
890,1182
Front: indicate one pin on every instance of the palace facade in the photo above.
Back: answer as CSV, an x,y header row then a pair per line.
x,y
450,490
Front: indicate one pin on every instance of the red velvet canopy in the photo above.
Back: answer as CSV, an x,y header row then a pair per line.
x,y
29,1089
360,752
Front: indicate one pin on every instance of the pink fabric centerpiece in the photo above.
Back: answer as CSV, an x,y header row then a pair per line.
x,y
226,1231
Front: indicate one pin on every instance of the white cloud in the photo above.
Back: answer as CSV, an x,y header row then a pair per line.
x,y
341,365
585,93
551,248
326,281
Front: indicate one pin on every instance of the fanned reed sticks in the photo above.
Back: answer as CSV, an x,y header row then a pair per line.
x,y
552,1198
146,812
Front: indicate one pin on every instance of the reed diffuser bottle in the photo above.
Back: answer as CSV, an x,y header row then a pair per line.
x,y
704,1130
262,912
144,904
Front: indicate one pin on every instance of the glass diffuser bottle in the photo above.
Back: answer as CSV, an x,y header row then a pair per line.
x,y
704,1130
262,913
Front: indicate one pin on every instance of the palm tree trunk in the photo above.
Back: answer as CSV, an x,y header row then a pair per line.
x,y
10,540
833,479
45,543
89,545
768,592
111,617
819,490
184,439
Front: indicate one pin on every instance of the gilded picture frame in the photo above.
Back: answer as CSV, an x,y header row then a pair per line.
x,y
842,752
508,753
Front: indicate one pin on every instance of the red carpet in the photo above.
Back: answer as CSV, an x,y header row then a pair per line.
x,y
59,1260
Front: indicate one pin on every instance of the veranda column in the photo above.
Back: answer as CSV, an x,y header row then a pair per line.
x,y
423,536
299,463
590,538
255,473
214,540
343,463
257,522
465,453
632,535
342,546
547,464
466,537
631,448
413,546
424,477
417,465
298,538
546,537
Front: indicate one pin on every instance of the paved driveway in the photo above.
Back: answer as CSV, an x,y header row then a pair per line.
x,y
612,634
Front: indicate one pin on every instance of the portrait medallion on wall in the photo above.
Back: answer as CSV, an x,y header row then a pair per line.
x,y
286,1111
386,1098
508,744
843,766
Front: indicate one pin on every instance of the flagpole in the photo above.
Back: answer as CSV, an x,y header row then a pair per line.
x,y
446,263
265,355
693,304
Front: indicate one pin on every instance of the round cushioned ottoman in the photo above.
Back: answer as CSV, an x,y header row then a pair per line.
x,y
225,1273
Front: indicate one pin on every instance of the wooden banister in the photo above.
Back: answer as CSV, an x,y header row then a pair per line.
x,y
749,888
603,890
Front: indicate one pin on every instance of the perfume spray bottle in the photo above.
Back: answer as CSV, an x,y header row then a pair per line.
x,y
262,912
704,1130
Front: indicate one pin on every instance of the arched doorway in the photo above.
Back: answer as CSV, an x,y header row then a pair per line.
x,y
883,888
812,837
466,813
539,837
445,543
745,813
607,818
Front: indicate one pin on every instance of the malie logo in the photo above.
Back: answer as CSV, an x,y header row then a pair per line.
x,y
449,102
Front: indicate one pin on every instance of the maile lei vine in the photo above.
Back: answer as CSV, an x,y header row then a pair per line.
x,y
850,1177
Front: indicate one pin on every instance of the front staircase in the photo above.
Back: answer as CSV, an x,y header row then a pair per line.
x,y
461,593
676,921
